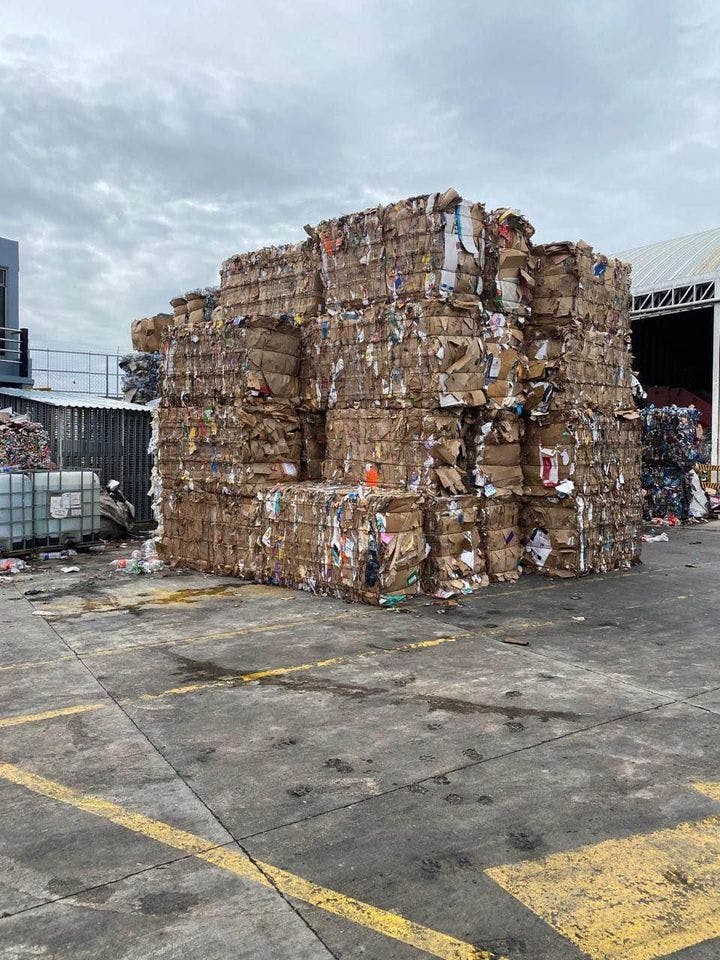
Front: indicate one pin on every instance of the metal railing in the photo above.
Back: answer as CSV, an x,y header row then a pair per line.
x,y
14,355
75,372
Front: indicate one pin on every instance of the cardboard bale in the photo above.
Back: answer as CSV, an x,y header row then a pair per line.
x,y
422,247
455,562
147,332
501,537
574,283
582,453
571,367
509,282
569,537
410,448
493,452
226,361
415,354
208,531
338,541
279,282
224,447
434,248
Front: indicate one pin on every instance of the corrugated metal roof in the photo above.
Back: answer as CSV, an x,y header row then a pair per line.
x,y
56,398
672,262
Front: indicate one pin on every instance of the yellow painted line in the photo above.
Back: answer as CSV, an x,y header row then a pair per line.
x,y
22,718
294,668
381,921
217,636
711,790
19,719
640,898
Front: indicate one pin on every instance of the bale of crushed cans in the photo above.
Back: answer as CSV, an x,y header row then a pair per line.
x,y
140,376
671,442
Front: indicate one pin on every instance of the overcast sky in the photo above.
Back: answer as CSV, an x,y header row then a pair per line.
x,y
143,142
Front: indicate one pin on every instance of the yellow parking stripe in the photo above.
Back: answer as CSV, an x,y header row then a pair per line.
x,y
51,714
389,924
236,680
634,899
217,636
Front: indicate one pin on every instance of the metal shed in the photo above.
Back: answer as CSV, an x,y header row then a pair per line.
x,y
676,314
110,437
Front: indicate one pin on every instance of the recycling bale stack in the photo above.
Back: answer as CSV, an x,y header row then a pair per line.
x,y
395,359
227,426
671,439
493,432
581,449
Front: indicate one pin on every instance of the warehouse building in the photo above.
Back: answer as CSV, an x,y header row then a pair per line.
x,y
676,323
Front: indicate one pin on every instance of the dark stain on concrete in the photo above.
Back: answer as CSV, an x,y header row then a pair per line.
x,y
523,840
168,901
301,790
335,763
353,691
193,670
451,705
485,800
454,799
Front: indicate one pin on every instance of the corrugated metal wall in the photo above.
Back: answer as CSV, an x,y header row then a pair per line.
x,y
112,442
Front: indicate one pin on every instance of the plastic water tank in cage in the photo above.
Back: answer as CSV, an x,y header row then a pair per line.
x,y
48,508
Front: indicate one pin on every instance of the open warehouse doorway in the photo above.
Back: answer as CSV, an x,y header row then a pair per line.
x,y
676,324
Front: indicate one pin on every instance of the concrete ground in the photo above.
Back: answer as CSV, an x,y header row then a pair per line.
x,y
196,767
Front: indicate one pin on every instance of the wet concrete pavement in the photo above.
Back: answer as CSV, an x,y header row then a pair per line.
x,y
193,766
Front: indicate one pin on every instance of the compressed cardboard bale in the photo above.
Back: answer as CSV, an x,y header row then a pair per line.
x,y
509,283
493,452
280,282
224,447
434,247
501,537
226,361
338,541
582,453
422,247
455,562
212,532
585,534
410,448
314,442
574,367
419,353
146,333
353,258
574,283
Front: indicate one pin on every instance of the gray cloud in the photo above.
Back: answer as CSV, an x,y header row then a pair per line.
x,y
143,144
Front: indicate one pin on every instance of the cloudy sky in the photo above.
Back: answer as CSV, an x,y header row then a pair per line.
x,y
143,142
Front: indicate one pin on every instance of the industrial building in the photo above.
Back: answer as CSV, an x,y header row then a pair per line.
x,y
676,323
14,357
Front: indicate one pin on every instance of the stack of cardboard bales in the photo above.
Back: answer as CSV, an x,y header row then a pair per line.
x,y
581,450
232,448
365,413
493,433
396,358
